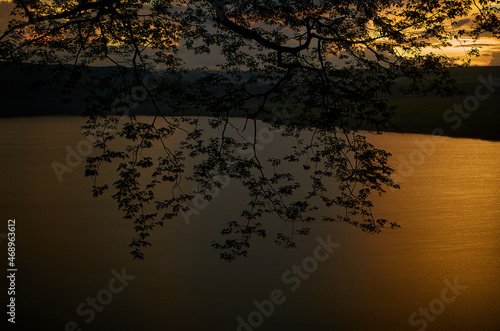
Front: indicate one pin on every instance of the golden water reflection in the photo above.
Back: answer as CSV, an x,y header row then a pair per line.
x,y
449,210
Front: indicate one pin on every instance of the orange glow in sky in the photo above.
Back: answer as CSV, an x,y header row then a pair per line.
x,y
489,47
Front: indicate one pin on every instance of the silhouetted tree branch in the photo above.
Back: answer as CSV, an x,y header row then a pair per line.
x,y
317,72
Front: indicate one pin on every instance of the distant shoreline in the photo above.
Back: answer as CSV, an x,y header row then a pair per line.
x,y
236,117
414,113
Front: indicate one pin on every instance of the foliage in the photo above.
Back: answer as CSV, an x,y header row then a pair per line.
x,y
317,71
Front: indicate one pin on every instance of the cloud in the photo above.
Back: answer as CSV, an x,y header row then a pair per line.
x,y
474,45
495,59
462,22
5,9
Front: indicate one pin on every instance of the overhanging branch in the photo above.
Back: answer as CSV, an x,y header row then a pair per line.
x,y
222,18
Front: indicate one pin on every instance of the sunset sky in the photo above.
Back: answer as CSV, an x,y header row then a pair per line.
x,y
489,47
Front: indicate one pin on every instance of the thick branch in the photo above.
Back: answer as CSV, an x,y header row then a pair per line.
x,y
250,34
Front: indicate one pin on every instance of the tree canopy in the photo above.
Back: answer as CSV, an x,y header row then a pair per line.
x,y
318,71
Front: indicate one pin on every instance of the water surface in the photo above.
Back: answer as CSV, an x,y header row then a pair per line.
x,y
68,243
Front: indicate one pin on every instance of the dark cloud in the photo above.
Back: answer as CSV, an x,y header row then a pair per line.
x,y
477,44
495,59
5,9
462,22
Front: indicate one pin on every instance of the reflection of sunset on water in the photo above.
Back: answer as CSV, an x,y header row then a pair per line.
x,y
448,209
243,131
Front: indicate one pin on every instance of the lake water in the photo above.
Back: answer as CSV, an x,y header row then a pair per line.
x,y
68,244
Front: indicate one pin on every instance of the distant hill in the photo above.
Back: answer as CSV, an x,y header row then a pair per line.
x,y
423,114
23,93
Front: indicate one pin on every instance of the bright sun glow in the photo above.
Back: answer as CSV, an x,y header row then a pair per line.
x,y
488,47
